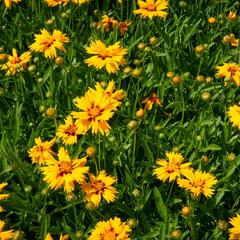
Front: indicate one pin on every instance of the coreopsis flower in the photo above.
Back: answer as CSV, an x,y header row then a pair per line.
x,y
109,57
151,100
3,57
68,132
54,3
229,71
232,16
114,96
234,232
5,235
8,3
198,182
62,237
123,26
16,63
42,151
152,8
99,187
234,115
3,196
108,23
80,2
233,41
172,168
212,20
113,229
65,171
97,108
49,43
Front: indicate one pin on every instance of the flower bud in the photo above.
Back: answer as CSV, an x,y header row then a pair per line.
x,y
170,74
140,113
231,156
136,72
136,192
153,40
176,234
176,80
206,96
141,46
51,112
127,70
200,78
59,60
91,151
31,68
132,124
186,211
200,48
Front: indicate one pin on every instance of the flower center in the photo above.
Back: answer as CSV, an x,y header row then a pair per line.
x,y
104,55
94,112
71,130
16,60
233,70
48,43
65,167
98,186
110,235
151,7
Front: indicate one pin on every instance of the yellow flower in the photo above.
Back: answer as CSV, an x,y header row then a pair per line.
x,y
171,169
68,132
65,171
123,26
233,41
198,182
232,16
49,43
114,96
54,3
151,100
62,237
3,196
42,151
113,229
109,57
152,8
3,57
8,3
16,64
229,71
100,186
108,23
5,235
97,108
234,115
234,232
212,20
80,2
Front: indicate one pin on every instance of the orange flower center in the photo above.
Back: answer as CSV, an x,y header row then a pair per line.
x,y
151,7
71,130
170,169
16,60
233,70
65,167
98,187
48,43
94,112
198,184
105,54
110,235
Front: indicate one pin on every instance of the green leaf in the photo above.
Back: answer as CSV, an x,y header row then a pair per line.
x,y
161,208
